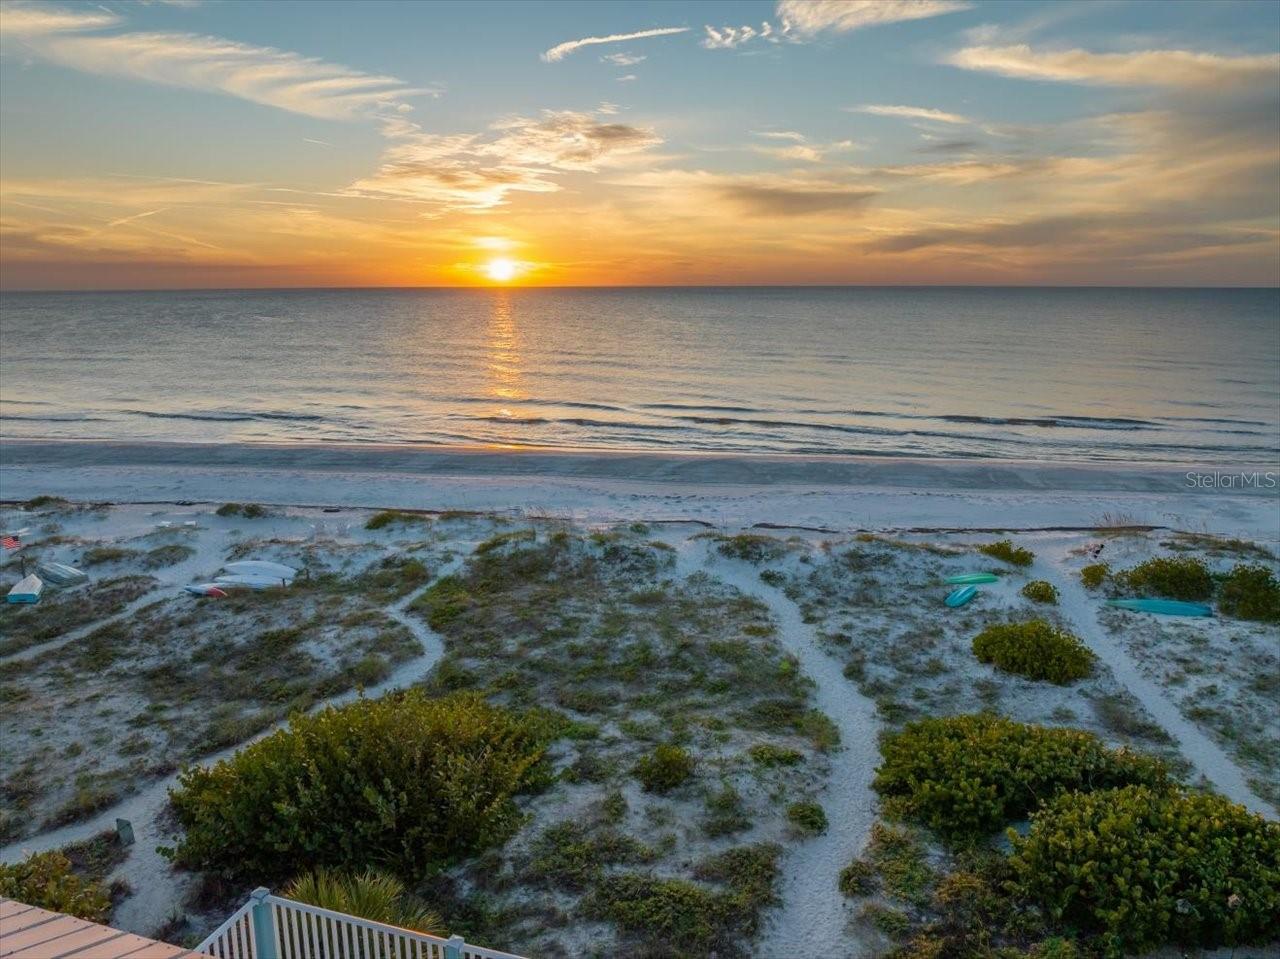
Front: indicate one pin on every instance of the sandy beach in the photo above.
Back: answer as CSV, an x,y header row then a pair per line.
x,y
914,521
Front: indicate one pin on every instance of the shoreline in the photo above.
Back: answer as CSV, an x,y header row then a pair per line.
x,y
684,467
828,494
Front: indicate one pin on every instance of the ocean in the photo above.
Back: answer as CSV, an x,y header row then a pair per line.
x,y
1151,375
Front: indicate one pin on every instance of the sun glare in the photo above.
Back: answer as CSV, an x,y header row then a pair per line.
x,y
501,269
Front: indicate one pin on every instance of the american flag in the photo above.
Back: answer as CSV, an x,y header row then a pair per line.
x,y
10,542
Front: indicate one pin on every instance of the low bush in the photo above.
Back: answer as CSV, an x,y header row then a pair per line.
x,y
1148,868
445,601
247,510
1036,650
665,768
1005,551
1179,577
1041,591
1094,575
857,879
770,756
752,548
98,555
403,783
572,856
1251,592
807,818
678,917
387,517
46,879
967,776
370,895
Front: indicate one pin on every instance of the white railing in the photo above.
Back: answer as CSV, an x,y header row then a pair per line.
x,y
269,927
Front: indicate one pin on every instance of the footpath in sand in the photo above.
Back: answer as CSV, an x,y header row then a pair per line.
x,y
812,919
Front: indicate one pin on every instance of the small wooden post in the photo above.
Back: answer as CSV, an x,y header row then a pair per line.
x,y
264,925
453,948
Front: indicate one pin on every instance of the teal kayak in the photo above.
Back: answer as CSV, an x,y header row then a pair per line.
x,y
958,597
965,579
1165,607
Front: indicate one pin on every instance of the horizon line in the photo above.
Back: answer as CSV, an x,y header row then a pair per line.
x,y
642,286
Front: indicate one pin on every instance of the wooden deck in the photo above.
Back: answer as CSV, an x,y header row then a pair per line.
x,y
27,932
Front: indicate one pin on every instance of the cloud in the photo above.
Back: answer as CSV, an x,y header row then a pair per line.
x,y
726,38
787,200
265,75
1161,68
809,17
623,59
626,78
476,172
562,50
799,146
912,113
20,19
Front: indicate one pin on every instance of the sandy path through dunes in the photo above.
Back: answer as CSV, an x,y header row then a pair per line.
x,y
1206,756
156,887
813,917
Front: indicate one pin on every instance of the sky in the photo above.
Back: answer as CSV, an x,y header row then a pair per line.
x,y
201,143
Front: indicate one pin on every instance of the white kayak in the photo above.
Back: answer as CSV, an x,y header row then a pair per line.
x,y
61,574
251,582
206,589
261,568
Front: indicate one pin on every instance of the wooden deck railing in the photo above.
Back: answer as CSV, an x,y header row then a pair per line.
x,y
269,927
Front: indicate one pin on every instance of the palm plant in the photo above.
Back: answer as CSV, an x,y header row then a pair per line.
x,y
370,895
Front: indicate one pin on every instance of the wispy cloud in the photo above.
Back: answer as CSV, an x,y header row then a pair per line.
x,y
623,59
265,75
1161,68
26,20
802,20
809,17
799,147
562,50
911,113
727,38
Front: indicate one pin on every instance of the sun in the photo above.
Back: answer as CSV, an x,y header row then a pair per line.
x,y
501,269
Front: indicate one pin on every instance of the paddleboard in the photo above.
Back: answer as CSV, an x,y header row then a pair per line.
x,y
958,597
251,582
1164,607
967,579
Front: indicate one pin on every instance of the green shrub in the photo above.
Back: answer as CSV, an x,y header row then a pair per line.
x,y
98,555
1005,550
769,755
807,818
665,768
678,917
45,879
1179,577
1040,591
445,601
857,879
572,856
370,895
403,782
254,511
1147,868
388,516
752,548
725,814
1094,575
1251,592
966,776
1034,649
229,509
